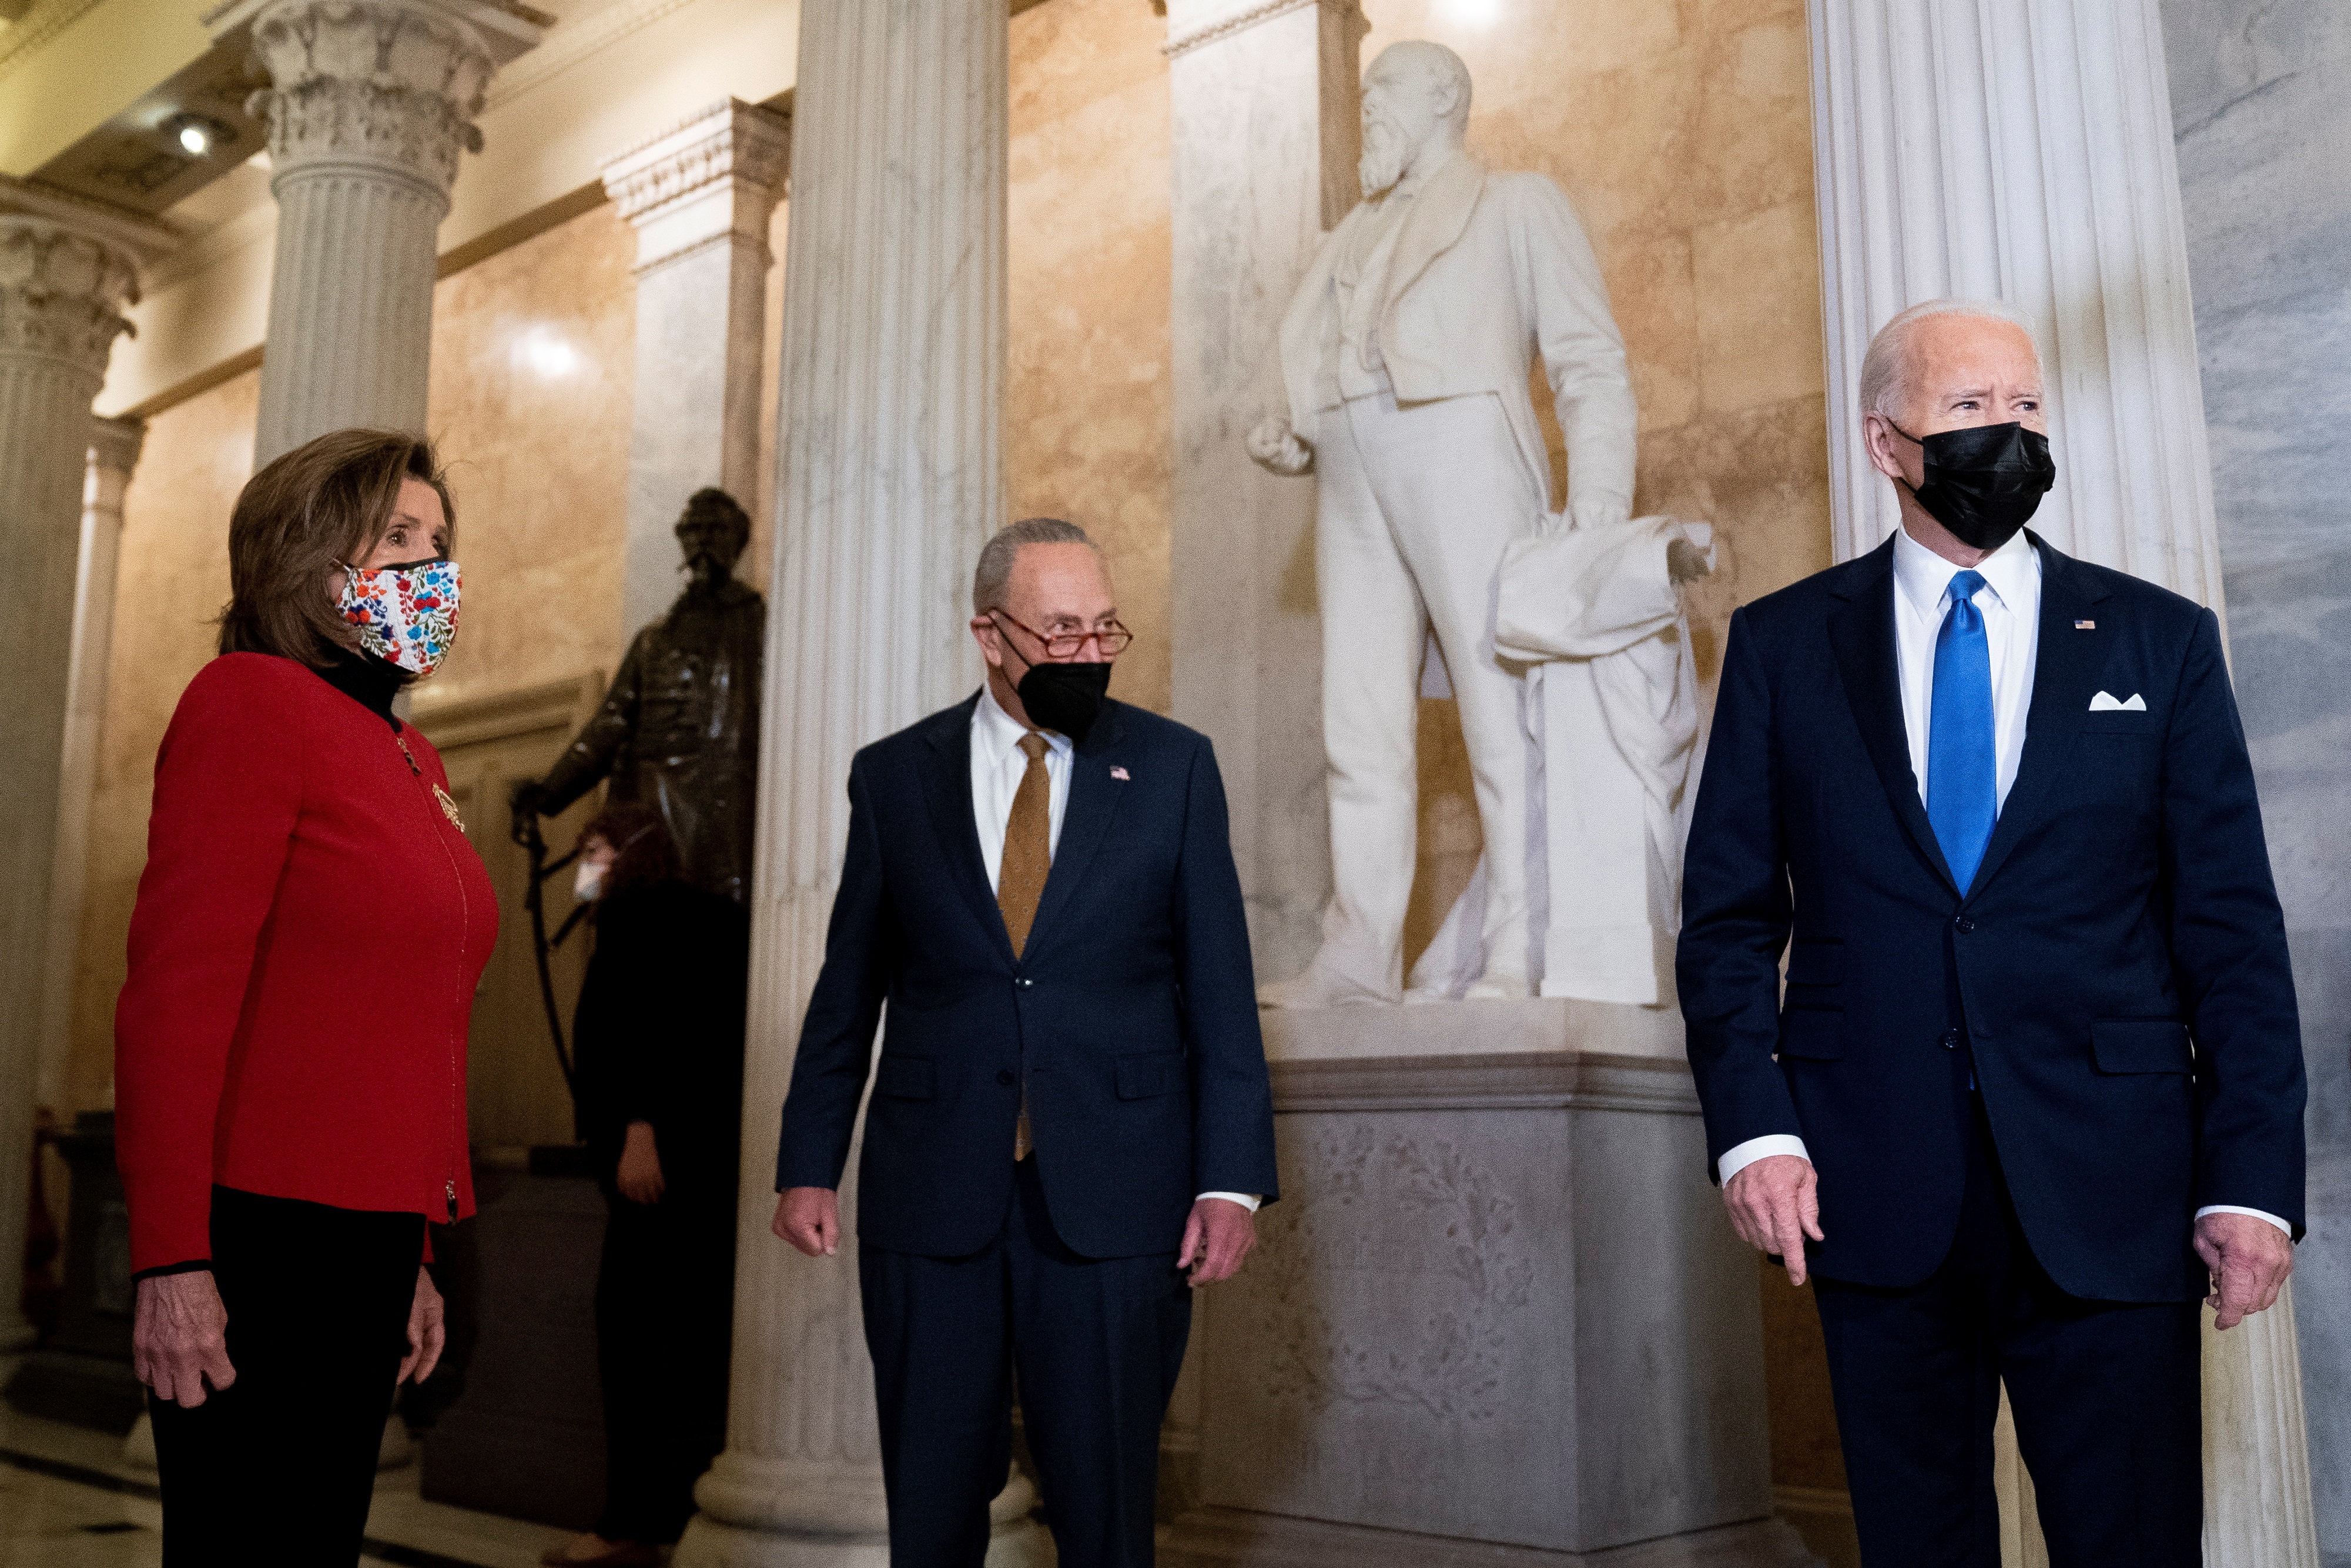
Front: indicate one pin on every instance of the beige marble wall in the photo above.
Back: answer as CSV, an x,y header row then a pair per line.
x,y
1088,425
533,359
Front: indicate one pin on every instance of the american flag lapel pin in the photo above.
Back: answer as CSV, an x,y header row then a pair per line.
x,y
2085,625
1121,775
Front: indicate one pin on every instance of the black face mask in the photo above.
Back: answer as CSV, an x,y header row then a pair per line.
x,y
1065,698
1984,482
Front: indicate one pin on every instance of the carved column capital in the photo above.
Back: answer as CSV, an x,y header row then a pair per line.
x,y
389,86
62,293
115,444
718,172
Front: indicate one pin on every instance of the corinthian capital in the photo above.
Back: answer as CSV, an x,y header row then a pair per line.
x,y
62,294
718,172
389,86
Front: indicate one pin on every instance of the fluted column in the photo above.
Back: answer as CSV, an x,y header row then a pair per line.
x,y
114,446
2013,150
888,481
368,105
699,196
64,286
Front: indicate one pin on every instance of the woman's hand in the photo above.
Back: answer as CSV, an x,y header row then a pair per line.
x,y
640,1176
427,1331
179,1337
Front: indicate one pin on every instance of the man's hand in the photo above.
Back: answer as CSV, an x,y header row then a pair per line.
x,y
1774,1203
639,1176
1276,447
810,1219
428,1331
2249,1260
179,1337
1219,1234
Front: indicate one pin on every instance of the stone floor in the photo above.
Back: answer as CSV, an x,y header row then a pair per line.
x,y
68,1500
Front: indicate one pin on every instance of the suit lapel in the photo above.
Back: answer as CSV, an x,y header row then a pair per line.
x,y
2066,665
1085,820
1439,215
946,788
1862,634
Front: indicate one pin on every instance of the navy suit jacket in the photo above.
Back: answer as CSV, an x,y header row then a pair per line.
x,y
1133,1011
2119,964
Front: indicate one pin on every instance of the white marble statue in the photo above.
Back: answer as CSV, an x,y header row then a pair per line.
x,y
1403,361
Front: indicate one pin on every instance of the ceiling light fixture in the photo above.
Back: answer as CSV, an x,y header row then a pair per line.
x,y
196,135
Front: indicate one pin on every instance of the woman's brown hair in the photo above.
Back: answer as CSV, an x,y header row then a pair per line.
x,y
321,505
644,852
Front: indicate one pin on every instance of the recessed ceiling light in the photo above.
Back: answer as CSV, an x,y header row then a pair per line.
x,y
196,135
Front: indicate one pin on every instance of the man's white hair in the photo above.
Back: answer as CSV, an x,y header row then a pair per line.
x,y
1886,368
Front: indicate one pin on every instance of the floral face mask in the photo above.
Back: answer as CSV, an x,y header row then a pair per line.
x,y
405,615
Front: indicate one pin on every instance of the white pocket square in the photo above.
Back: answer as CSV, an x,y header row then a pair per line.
x,y
2104,703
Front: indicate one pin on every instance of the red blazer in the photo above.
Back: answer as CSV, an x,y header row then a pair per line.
x,y
309,930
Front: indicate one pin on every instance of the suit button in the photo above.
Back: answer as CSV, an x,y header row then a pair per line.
x,y
1004,1078
1025,984
1950,1039
1964,925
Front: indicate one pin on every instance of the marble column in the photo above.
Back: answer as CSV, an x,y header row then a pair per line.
x,y
2005,149
64,286
699,196
113,453
1265,103
368,105
889,479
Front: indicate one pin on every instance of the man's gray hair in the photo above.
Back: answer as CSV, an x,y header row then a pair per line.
x,y
1886,368
991,578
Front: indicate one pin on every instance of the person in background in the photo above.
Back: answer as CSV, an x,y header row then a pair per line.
x,y
659,1089
290,1044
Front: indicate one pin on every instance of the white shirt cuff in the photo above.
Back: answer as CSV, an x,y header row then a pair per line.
x,y
2256,1213
1247,1200
1754,1149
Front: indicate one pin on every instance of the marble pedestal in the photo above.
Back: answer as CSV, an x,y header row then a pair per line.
x,y
1498,1318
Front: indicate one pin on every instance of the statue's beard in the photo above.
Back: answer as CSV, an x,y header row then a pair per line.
x,y
1385,153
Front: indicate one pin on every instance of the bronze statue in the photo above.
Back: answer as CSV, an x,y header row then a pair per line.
x,y
679,731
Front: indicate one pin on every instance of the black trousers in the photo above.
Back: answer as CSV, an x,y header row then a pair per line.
x,y
279,1467
1096,1343
664,1326
2108,1399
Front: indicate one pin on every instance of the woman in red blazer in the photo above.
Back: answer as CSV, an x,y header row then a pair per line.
x,y
290,1047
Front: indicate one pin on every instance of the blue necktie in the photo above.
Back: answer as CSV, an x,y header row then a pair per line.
x,y
1962,762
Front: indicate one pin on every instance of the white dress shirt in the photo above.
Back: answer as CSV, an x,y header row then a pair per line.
x,y
2011,603
997,766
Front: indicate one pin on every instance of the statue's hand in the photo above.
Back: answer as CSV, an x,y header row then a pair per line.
x,y
524,804
1277,448
1686,562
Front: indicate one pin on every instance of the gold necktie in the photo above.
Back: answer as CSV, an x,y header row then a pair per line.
x,y
1021,880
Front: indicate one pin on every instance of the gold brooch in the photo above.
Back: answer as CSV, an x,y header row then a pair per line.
x,y
448,808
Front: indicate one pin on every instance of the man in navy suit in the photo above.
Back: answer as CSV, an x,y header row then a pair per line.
x,y
2035,1084
1071,1106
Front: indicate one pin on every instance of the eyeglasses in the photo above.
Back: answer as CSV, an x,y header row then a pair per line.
x,y
1110,639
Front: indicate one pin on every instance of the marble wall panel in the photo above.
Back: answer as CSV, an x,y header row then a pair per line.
x,y
2260,98
1088,413
533,366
